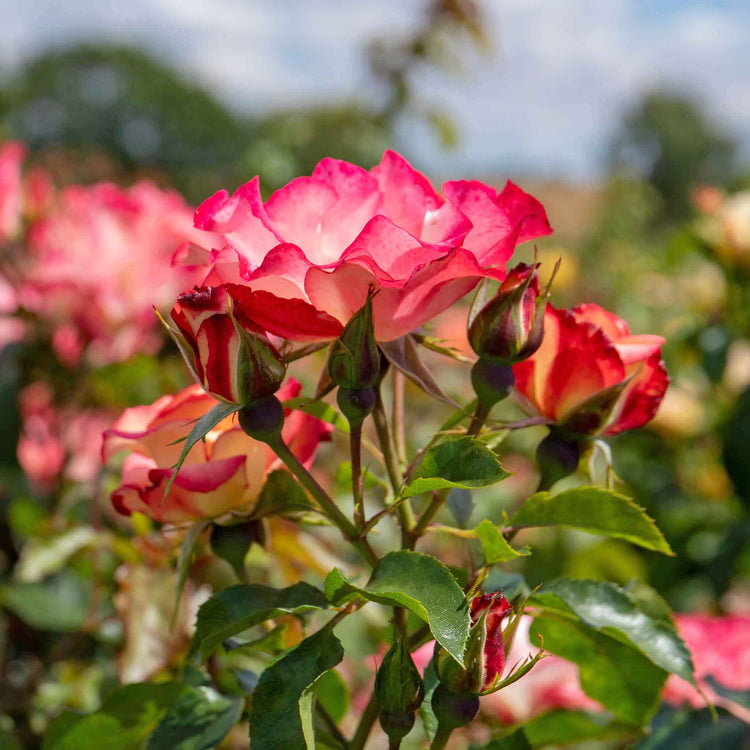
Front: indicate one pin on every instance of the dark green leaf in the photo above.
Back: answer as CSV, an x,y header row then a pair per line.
x,y
281,492
201,428
494,546
461,505
198,720
604,606
332,693
595,510
515,741
421,584
61,603
319,409
697,730
184,558
124,722
429,719
573,727
617,675
240,607
277,720
461,462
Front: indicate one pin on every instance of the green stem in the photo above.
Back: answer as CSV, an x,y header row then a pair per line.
x,y
355,449
441,737
332,511
405,510
399,422
369,716
330,724
438,498
393,744
480,417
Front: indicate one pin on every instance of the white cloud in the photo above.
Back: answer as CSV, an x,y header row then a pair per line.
x,y
561,77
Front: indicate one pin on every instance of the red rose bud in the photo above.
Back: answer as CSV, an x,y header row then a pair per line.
x,y
354,361
230,356
510,327
485,651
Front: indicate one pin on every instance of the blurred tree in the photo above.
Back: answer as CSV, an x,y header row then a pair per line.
x,y
669,141
130,106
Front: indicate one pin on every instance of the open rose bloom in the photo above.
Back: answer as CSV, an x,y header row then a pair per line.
x,y
329,238
223,473
590,375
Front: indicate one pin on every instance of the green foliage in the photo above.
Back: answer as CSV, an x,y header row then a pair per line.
x,y
596,510
240,607
618,676
698,730
421,584
607,608
282,703
129,105
461,462
124,721
60,603
199,719
563,728
675,144
494,546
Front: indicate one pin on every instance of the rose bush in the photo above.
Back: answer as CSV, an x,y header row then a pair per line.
x,y
329,238
590,375
225,472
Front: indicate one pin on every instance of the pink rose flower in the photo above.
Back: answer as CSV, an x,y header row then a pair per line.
x,y
12,155
590,375
99,263
223,473
58,443
720,647
329,238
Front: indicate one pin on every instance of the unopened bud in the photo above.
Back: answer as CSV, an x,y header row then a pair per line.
x,y
354,361
398,684
510,327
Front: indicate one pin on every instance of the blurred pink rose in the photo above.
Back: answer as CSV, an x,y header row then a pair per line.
x,y
100,262
12,155
222,473
327,239
721,651
58,443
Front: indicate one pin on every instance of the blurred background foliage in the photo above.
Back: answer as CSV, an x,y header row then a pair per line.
x,y
651,242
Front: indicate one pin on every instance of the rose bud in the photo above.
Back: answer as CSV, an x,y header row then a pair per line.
x,y
354,365
400,690
507,330
230,356
510,327
485,651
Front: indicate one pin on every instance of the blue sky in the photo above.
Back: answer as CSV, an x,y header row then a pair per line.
x,y
545,101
